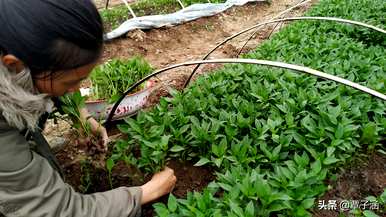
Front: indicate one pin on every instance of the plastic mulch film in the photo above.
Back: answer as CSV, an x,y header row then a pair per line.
x,y
190,13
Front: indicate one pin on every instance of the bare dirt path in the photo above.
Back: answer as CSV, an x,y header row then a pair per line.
x,y
192,40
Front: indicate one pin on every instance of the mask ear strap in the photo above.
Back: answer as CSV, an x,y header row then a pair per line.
x,y
24,79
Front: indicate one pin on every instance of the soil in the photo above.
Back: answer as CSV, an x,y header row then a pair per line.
x,y
365,178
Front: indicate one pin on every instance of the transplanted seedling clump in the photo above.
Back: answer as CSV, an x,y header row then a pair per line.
x,y
112,79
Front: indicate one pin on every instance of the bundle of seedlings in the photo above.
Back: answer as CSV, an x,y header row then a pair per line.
x,y
112,79
71,105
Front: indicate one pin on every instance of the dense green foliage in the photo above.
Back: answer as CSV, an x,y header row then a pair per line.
x,y
112,79
274,136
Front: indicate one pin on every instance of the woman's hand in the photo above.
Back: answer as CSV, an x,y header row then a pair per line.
x,y
162,183
96,127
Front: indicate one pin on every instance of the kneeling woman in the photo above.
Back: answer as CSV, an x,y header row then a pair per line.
x,y
46,48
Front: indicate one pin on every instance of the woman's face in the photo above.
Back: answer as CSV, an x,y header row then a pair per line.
x,y
62,82
56,84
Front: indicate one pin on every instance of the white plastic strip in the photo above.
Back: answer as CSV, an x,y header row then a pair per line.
x,y
190,13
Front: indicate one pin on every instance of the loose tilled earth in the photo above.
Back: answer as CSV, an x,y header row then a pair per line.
x,y
191,41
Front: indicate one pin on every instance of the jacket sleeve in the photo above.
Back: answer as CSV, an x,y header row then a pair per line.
x,y
30,187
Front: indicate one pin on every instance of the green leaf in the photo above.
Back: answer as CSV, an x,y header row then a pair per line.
x,y
279,196
276,151
330,151
309,124
250,209
316,167
225,186
164,142
330,160
369,133
202,161
339,132
371,198
236,209
134,125
110,164
276,207
156,131
287,173
114,98
195,121
265,150
172,203
177,148
300,211
368,213
222,147
308,203
124,128
161,210
218,162
383,196
184,128
262,188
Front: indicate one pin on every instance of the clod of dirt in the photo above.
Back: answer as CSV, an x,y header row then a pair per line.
x,y
91,145
190,178
55,132
137,35
230,50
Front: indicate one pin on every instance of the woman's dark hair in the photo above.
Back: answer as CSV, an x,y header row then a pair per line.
x,y
51,35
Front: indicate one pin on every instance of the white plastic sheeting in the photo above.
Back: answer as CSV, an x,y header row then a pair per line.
x,y
192,12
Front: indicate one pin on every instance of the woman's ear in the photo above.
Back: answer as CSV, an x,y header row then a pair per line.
x,y
12,63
